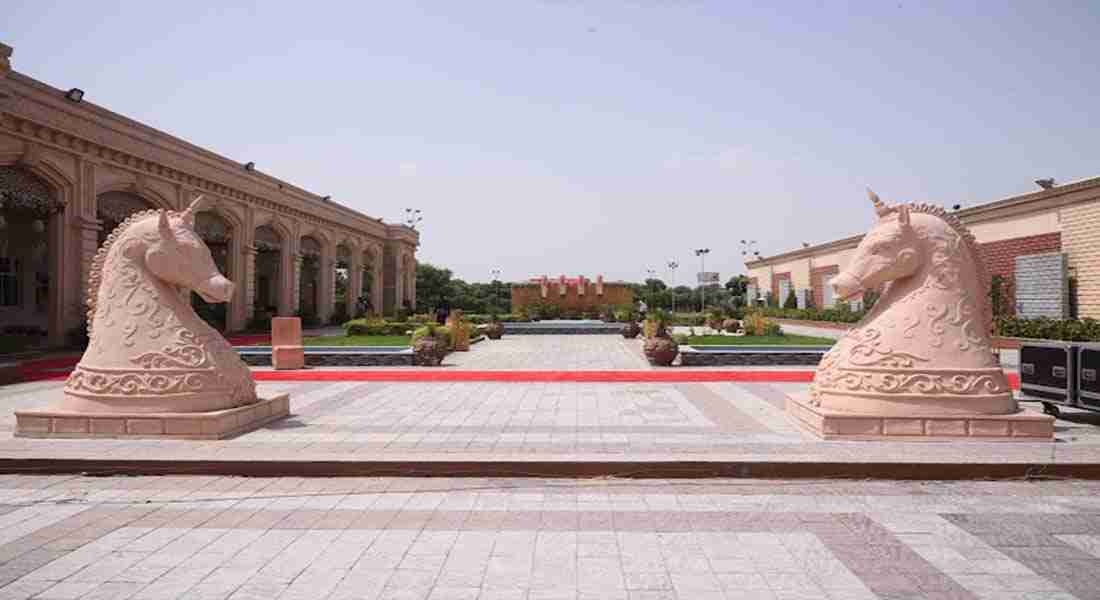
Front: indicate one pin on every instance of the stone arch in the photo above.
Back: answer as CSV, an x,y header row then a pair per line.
x,y
408,283
33,202
272,245
114,205
342,294
311,249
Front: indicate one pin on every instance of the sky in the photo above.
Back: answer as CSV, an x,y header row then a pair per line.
x,y
600,137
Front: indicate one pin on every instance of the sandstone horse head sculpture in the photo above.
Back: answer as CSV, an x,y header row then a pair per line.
x,y
925,346
148,350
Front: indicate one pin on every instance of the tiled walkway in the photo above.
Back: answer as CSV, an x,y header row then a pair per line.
x,y
352,421
161,538
552,352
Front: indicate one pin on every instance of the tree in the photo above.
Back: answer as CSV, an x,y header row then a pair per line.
x,y
791,301
433,287
738,285
655,285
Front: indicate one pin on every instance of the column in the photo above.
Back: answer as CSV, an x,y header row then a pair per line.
x,y
295,284
412,283
376,291
355,282
327,289
398,286
249,282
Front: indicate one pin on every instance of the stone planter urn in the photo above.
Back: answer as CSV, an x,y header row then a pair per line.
x,y
731,325
429,352
661,351
631,330
494,331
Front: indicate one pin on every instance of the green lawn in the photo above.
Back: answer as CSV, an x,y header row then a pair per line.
x,y
761,340
358,340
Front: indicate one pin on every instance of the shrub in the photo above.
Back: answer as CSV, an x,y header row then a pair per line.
x,y
791,301
376,327
1072,330
439,332
755,323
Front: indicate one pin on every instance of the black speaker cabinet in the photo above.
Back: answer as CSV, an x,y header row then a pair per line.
x,y
1088,376
1048,372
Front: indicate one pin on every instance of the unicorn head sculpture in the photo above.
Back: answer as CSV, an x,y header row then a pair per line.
x,y
925,346
148,351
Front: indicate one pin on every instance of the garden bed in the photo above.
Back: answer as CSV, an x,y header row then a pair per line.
x,y
788,339
715,356
335,356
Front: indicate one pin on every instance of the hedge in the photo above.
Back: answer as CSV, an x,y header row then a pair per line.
x,y
1071,330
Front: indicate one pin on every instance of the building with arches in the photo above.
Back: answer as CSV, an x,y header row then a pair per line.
x,y
70,171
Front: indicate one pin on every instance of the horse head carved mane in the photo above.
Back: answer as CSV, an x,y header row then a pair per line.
x,y
148,351
926,344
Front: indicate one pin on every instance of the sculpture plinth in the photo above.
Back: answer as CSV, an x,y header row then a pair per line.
x,y
286,343
920,364
153,368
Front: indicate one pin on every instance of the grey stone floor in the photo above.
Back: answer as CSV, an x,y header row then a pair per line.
x,y
160,538
552,352
539,421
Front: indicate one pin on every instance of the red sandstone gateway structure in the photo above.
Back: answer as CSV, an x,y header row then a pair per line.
x,y
71,171
578,293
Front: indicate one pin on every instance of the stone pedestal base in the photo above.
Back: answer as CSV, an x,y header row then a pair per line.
x,y
46,423
288,357
1023,426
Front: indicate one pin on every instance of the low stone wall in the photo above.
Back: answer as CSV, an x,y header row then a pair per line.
x,y
338,359
537,329
747,358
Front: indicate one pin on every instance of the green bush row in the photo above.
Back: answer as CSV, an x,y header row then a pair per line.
x,y
379,327
1072,330
841,314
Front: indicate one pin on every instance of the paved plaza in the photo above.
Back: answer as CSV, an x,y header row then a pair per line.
x,y
156,538
573,422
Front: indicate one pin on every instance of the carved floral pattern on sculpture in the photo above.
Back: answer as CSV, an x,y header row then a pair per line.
x,y
930,332
147,344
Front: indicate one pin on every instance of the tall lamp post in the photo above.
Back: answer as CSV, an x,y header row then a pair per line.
x,y
651,274
413,217
702,254
672,279
495,274
749,252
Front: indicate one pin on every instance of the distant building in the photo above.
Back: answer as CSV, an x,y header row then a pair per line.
x,y
571,294
1059,227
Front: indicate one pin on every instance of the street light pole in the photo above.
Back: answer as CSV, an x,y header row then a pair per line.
x,y
672,267
702,254
495,274
649,292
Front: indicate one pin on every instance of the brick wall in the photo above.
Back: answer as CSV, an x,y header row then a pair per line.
x,y
1000,259
614,294
818,278
1081,241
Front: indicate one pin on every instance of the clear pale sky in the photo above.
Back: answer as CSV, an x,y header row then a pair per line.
x,y
600,137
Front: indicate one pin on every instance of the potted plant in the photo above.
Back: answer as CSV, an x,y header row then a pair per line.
x,y
430,345
731,325
494,329
630,323
660,349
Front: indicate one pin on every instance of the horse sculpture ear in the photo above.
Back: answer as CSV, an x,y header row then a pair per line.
x,y
196,205
164,227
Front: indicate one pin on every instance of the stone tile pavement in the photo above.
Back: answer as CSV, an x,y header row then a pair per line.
x,y
552,352
576,422
160,538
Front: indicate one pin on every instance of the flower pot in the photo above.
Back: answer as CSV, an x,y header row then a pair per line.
x,y
631,330
661,351
494,331
429,352
731,325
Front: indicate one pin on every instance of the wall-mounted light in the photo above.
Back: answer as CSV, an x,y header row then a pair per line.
x,y
956,206
326,198
1046,184
75,95
249,166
